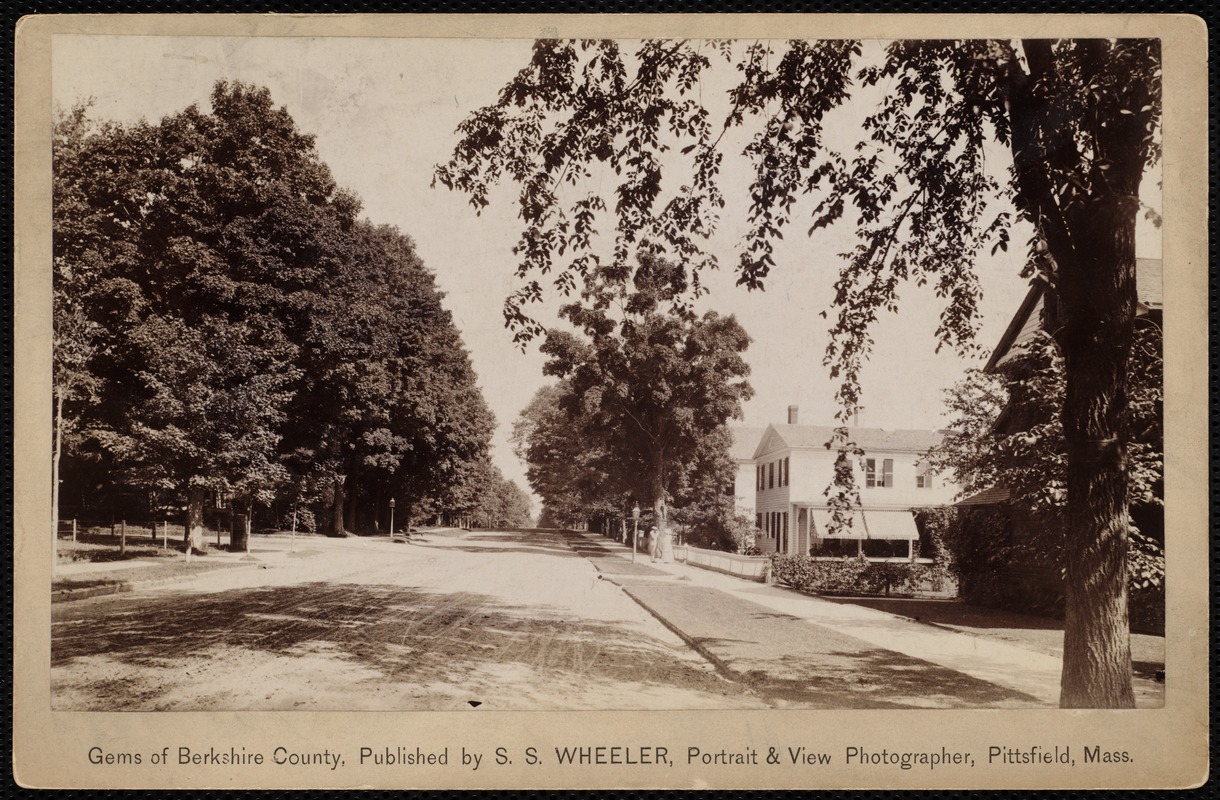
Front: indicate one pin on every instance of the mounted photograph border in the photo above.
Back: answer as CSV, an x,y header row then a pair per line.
x,y
1164,748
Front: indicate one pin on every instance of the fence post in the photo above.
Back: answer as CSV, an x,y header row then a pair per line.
x,y
165,535
74,529
123,538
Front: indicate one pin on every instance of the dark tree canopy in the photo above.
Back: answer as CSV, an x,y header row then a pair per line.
x,y
226,326
653,384
565,459
1007,434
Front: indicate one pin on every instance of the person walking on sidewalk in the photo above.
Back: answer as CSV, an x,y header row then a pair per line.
x,y
664,547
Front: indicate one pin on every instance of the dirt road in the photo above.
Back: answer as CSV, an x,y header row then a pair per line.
x,y
502,620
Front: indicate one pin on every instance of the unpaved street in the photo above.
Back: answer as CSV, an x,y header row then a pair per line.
x,y
502,620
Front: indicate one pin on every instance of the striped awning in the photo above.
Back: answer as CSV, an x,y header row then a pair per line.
x,y
868,524
891,525
821,521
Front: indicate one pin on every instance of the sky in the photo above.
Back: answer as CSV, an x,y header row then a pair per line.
x,y
384,112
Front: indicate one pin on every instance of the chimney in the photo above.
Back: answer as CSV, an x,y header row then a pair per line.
x,y
792,414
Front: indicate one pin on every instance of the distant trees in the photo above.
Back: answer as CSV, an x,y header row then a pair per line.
x,y
226,327
565,460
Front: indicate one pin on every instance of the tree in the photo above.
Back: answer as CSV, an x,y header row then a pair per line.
x,y
655,385
390,406
501,503
1007,433
564,459
76,235
1080,117
704,503
212,231
225,324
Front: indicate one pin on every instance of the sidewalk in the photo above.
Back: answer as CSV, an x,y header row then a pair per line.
x,y
783,640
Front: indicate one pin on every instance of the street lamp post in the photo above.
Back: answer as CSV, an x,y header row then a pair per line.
x,y
635,529
391,517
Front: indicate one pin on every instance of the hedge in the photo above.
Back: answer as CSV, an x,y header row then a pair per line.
x,y
849,575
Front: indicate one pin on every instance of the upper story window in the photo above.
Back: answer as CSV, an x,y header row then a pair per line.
x,y
874,478
771,475
923,476
787,475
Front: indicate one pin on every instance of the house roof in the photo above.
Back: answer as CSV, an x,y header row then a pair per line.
x,y
745,441
996,495
817,436
1149,289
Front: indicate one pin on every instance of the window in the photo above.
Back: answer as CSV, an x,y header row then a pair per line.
x,y
923,476
771,475
872,479
758,476
758,521
787,477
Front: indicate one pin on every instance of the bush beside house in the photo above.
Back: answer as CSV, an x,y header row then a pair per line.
x,y
851,575
996,566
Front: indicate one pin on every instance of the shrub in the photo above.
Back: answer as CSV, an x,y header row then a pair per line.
x,y
933,524
847,575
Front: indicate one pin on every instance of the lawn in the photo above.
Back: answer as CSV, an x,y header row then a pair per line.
x,y
122,579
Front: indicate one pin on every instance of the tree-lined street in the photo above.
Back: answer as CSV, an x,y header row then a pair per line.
x,y
237,348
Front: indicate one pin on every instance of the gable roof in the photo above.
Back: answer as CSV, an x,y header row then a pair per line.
x,y
996,495
1149,292
816,436
746,439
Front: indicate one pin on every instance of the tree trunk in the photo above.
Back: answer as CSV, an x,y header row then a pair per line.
x,y
249,524
336,518
193,531
1092,243
59,433
660,509
1099,310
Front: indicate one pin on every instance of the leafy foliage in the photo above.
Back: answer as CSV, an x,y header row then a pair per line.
x,y
847,575
225,325
564,460
1009,434
1081,119
654,385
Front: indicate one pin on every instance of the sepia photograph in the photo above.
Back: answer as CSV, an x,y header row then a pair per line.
x,y
691,378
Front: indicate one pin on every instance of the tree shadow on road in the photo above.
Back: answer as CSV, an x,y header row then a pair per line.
x,y
406,635
953,612
878,678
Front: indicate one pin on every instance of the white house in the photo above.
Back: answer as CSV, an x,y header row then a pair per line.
x,y
793,466
745,442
